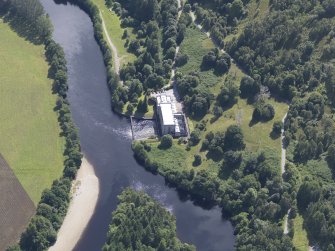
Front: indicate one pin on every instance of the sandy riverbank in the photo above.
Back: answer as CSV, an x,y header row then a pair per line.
x,y
85,192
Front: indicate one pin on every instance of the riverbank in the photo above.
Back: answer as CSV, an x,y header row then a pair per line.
x,y
85,193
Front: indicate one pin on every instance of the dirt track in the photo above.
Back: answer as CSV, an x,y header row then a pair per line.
x,y
16,207
113,47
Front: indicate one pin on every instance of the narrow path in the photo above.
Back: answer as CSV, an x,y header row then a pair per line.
x,y
282,165
85,193
116,58
283,149
286,222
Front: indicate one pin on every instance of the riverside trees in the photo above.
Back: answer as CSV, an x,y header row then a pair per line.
x,y
33,23
51,210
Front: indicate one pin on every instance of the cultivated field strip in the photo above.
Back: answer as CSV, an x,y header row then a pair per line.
x,y
16,207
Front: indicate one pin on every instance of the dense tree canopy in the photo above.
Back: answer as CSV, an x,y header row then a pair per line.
x,y
140,223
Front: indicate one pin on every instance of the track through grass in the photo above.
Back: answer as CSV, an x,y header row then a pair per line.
x,y
115,31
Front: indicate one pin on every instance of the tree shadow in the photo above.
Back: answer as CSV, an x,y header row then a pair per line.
x,y
214,119
23,29
195,163
205,67
253,122
216,157
225,172
250,98
274,135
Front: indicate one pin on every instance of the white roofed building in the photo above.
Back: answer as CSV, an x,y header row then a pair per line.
x,y
171,121
166,118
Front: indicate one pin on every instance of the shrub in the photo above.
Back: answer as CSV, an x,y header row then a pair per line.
x,y
181,59
277,127
263,112
195,137
217,111
234,138
249,87
228,94
130,109
197,160
166,141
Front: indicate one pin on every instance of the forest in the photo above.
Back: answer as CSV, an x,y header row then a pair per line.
x,y
132,229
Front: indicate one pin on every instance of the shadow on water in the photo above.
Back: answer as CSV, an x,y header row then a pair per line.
x,y
106,142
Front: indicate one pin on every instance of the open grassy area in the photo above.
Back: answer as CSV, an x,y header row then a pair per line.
x,y
256,10
196,44
29,131
113,25
257,138
136,114
300,240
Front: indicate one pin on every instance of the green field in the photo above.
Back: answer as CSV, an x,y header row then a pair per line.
x,y
300,239
29,131
113,25
256,10
196,44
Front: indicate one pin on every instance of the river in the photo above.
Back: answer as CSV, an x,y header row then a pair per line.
x,y
106,143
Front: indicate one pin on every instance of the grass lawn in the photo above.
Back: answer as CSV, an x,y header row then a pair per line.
x,y
113,25
196,44
29,131
148,114
256,11
173,157
300,240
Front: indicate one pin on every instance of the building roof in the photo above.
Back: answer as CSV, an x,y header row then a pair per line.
x,y
167,114
163,98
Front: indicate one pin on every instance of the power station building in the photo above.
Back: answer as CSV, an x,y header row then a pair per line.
x,y
171,121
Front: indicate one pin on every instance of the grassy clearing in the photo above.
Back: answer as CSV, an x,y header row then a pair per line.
x,y
196,44
256,10
256,137
29,131
300,240
113,25
148,114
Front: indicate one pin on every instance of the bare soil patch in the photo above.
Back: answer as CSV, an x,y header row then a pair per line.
x,y
16,208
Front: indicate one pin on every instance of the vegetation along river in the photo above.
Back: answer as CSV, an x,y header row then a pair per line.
x,y
106,142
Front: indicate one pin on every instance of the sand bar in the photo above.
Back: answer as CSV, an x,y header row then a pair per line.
x,y
85,193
